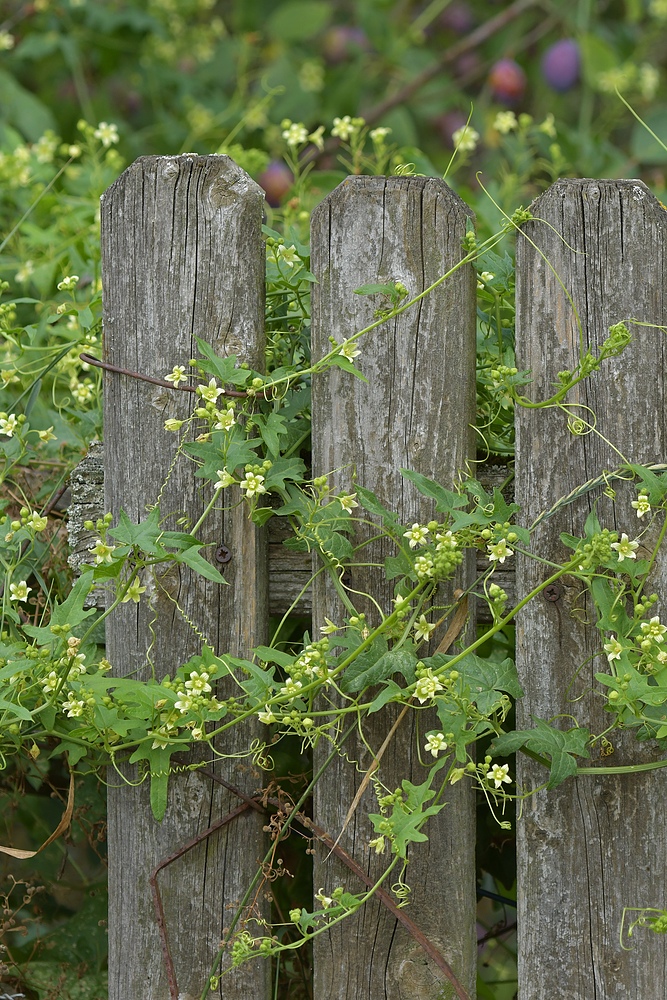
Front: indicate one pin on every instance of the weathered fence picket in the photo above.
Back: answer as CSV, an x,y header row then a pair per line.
x,y
183,258
421,370
596,844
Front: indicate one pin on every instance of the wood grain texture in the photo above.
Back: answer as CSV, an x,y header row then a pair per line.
x,y
596,844
415,413
183,258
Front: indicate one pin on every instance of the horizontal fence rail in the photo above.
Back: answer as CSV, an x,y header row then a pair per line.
x,y
183,258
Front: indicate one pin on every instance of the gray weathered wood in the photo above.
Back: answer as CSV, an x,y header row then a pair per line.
x,y
182,258
596,844
290,572
415,413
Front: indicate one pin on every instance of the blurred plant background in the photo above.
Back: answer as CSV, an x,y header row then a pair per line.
x,y
88,85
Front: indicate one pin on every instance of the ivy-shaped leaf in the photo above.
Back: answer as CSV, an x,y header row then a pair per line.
x,y
561,746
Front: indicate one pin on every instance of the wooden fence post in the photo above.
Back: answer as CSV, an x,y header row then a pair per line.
x,y
595,844
183,257
416,412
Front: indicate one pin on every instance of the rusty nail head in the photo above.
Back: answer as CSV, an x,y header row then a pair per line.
x,y
222,554
553,592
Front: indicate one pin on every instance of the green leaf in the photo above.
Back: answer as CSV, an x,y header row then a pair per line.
x,y
370,502
347,366
376,289
655,486
446,500
270,655
561,746
389,692
195,560
71,612
144,535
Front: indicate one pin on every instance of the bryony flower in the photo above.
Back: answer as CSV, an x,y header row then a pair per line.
x,y
68,283
177,375
465,139
347,501
173,425
499,774
500,551
329,628
185,702
46,435
19,591
416,535
267,716
254,484
326,901
291,688
641,505
625,549
198,683
107,133
287,255
103,553
613,649
224,481
435,743
423,629
8,424
134,592
349,349
505,121
210,392
427,686
654,629
378,135
73,705
36,521
225,420
316,137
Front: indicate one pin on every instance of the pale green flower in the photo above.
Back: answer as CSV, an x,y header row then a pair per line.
x,y
613,649
177,375
6,41
349,349
107,133
505,121
36,521
378,135
185,702
435,743
8,424
68,283
548,126
287,255
416,535
225,421
427,687
224,481
424,567
134,592
329,628
267,716
465,139
73,706
423,629
500,551
47,435
210,392
641,505
103,553
346,127
253,484
326,901
499,774
173,425
654,629
294,133
625,548
19,591
347,501
198,683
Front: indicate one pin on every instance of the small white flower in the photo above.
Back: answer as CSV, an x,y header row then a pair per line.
x,y
254,484
103,553
416,535
347,501
641,505
505,121
329,628
423,629
8,424
198,683
267,716
224,481
465,139
499,774
378,135
210,392
424,567
613,649
185,702
500,551
225,421
625,548
344,128
427,686
326,901
349,349
68,283
19,591
654,629
73,706
435,743
107,133
177,375
287,255
291,688
294,133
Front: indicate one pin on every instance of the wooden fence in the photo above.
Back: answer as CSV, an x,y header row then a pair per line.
x,y
183,258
